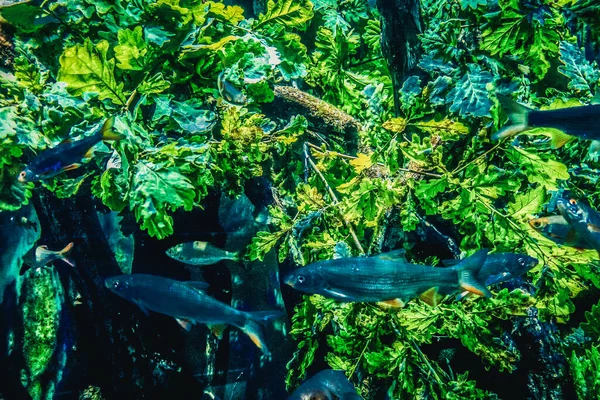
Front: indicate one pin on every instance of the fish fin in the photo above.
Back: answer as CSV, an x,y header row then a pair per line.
x,y
198,285
431,296
593,228
89,155
451,262
338,295
467,273
252,327
559,139
518,116
72,167
217,330
394,303
394,255
107,131
185,323
139,304
64,252
463,295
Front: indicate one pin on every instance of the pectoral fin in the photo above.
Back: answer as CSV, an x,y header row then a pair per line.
x,y
462,295
139,304
185,323
593,228
89,155
431,297
394,303
72,167
338,295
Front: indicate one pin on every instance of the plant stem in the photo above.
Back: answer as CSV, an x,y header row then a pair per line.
x,y
334,198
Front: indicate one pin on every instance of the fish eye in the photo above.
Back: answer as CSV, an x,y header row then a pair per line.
x,y
537,224
301,279
573,202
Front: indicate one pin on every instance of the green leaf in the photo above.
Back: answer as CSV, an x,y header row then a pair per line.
x,y
464,4
470,95
290,13
528,204
154,84
192,118
132,49
155,190
539,168
85,68
583,76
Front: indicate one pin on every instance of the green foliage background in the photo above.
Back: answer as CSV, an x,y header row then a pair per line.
x,y
156,64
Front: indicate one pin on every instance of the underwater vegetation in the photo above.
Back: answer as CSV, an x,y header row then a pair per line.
x,y
422,174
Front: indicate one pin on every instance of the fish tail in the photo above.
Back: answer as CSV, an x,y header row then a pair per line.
x,y
107,132
518,116
65,252
467,274
252,327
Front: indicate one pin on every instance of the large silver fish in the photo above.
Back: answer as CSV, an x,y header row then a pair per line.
x,y
186,302
387,277
326,385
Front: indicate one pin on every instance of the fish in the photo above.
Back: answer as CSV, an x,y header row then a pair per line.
x,y
42,256
328,384
499,268
581,122
200,253
387,278
584,220
67,156
188,304
557,229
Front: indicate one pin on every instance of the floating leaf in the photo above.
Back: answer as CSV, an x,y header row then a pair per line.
x,y
470,95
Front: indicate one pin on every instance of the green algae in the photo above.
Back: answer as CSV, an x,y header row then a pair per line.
x,y
42,299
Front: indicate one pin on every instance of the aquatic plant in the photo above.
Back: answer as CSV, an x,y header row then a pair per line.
x,y
205,99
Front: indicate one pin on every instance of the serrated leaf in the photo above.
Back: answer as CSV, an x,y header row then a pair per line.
x,y
361,162
231,14
290,13
470,95
154,84
85,68
582,75
396,125
464,4
545,171
155,190
528,203
132,49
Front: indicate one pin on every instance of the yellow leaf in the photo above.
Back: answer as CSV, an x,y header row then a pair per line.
x,y
361,162
396,125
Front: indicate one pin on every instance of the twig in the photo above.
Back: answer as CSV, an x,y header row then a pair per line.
x,y
360,356
456,171
334,198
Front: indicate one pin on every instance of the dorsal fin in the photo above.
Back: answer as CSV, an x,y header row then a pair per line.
x,y
451,262
394,255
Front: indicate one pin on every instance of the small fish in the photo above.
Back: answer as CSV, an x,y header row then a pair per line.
x,y
557,229
229,92
43,256
584,221
387,278
67,156
581,122
188,304
326,385
200,253
499,268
